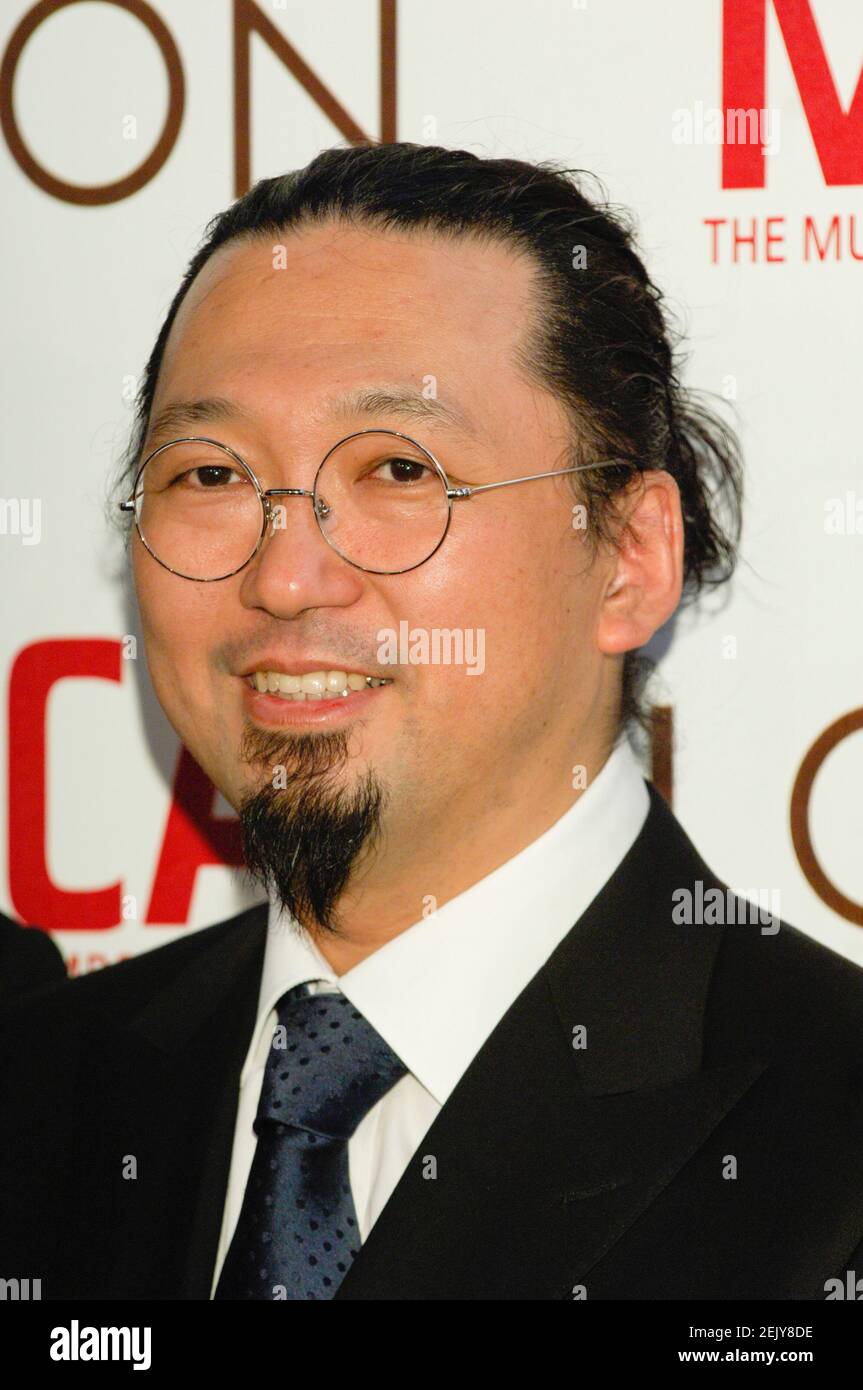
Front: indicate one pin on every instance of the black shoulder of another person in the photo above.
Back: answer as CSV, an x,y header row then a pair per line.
x,y
115,993
29,959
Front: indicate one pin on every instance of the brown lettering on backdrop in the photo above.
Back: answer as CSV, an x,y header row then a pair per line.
x,y
97,194
662,750
248,19
800,833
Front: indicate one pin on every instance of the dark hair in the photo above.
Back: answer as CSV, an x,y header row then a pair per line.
x,y
601,339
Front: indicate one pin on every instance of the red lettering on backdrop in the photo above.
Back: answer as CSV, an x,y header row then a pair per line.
x,y
193,837
36,897
836,134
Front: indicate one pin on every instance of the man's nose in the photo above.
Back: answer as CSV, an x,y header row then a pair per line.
x,y
295,568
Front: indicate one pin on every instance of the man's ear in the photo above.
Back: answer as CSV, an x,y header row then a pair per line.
x,y
646,577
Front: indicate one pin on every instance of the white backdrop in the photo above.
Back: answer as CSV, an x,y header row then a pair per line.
x,y
619,87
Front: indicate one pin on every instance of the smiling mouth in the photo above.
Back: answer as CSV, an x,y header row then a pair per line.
x,y
313,685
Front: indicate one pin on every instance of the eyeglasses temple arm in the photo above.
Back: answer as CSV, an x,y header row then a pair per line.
x,y
458,492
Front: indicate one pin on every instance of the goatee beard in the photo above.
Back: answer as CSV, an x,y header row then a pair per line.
x,y
303,835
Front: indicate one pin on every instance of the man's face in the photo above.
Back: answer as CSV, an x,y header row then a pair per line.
x,y
357,309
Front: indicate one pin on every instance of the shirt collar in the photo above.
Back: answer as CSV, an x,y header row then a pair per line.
x,y
436,991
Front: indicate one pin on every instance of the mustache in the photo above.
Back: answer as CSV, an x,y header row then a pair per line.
x,y
353,649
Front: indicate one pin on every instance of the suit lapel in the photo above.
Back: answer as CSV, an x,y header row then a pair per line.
x,y
545,1154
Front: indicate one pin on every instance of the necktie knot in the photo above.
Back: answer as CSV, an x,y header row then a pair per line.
x,y
327,1067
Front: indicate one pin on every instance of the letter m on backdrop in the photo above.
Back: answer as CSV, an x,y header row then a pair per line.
x,y
836,134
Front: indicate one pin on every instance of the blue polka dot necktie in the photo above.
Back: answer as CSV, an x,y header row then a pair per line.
x,y
297,1231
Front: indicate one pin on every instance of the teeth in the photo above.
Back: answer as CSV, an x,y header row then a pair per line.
x,y
314,685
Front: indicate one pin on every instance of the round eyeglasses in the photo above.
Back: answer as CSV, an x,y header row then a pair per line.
x,y
381,501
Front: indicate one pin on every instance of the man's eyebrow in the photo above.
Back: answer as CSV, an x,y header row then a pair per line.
x,y
401,402
176,418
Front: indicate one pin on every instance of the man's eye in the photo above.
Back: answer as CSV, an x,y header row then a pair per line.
x,y
402,470
210,476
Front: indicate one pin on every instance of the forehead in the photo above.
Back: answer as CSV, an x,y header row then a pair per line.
x,y
333,306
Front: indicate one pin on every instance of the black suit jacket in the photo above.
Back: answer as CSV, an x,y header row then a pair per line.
x,y
558,1170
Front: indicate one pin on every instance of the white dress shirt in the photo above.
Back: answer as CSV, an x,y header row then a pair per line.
x,y
436,991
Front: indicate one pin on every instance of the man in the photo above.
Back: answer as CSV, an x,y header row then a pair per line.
x,y
472,1048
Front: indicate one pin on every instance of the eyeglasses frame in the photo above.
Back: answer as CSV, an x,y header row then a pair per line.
x,y
453,494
